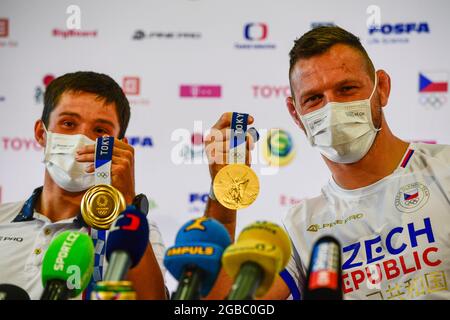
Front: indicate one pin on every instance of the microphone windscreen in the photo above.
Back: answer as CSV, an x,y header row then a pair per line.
x,y
323,279
12,292
263,243
271,233
70,257
129,233
202,230
199,243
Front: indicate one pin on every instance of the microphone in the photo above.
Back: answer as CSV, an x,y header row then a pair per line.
x,y
194,260
323,279
262,250
126,244
67,266
12,292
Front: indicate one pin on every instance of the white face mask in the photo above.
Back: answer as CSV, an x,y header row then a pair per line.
x,y
342,131
59,159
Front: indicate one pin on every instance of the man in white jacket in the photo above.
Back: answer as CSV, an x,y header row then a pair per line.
x,y
79,107
387,201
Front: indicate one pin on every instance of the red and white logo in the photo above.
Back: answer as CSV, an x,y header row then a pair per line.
x,y
289,201
270,91
200,91
4,28
131,86
19,144
72,33
427,141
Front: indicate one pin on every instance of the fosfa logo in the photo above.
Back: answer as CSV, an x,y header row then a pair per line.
x,y
255,35
388,33
412,197
141,142
399,28
197,202
40,89
433,89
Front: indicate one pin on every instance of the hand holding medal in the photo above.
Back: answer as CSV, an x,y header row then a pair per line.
x,y
236,186
102,203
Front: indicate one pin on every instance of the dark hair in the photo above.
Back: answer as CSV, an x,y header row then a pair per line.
x,y
320,39
87,81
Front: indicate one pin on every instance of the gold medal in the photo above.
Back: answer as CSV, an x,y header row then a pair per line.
x,y
101,205
236,186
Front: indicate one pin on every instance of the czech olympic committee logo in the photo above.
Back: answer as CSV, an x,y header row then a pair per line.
x,y
433,88
412,197
278,148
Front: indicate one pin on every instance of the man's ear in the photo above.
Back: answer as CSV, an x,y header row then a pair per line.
x,y
290,104
39,133
383,87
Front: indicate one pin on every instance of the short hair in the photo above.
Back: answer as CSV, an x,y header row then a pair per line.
x,y
319,40
99,84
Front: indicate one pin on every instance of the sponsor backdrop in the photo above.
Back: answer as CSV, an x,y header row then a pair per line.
x,y
182,63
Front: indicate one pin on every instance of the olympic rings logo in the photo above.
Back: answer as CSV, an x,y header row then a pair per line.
x,y
103,175
434,100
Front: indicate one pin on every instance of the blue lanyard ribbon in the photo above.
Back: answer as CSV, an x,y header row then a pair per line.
x,y
238,145
103,162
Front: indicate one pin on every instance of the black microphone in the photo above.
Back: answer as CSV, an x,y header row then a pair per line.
x,y
12,292
324,277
